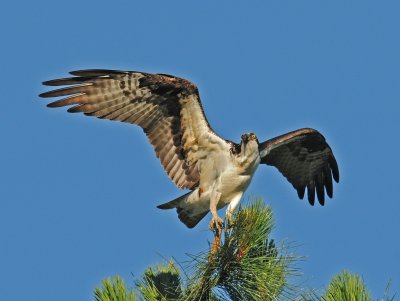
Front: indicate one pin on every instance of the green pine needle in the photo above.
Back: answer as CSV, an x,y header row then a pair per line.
x,y
161,282
114,290
346,286
247,265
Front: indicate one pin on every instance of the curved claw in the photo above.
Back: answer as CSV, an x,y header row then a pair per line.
x,y
216,225
229,222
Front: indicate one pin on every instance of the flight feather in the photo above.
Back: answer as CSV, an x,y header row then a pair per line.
x,y
168,109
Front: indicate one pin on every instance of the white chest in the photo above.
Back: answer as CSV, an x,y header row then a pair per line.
x,y
235,181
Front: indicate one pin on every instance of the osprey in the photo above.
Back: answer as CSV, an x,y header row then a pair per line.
x,y
216,171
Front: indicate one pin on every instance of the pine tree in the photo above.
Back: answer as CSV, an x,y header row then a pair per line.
x,y
244,263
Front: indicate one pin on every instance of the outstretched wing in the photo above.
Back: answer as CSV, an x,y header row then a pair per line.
x,y
168,109
305,159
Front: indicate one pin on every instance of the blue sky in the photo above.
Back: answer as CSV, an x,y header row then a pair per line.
x,y
78,195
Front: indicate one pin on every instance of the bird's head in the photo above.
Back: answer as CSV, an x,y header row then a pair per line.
x,y
249,142
246,138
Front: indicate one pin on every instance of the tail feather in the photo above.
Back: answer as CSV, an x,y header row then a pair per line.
x,y
174,203
184,210
190,220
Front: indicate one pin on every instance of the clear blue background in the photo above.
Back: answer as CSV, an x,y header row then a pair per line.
x,y
79,195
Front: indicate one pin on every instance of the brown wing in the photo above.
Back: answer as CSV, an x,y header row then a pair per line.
x,y
305,159
166,107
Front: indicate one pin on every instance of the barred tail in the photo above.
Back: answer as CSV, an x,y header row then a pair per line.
x,y
184,210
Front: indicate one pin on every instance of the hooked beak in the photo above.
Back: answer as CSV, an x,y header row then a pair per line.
x,y
245,139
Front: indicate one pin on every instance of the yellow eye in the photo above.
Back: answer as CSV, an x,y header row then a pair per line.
x,y
253,136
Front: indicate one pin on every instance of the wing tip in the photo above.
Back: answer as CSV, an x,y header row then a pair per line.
x,y
48,83
74,109
335,169
96,72
52,105
42,95
86,72
300,192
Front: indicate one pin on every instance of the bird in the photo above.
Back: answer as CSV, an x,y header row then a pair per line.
x,y
216,171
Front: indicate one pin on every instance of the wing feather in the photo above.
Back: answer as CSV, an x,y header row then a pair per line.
x,y
305,159
81,88
328,181
168,109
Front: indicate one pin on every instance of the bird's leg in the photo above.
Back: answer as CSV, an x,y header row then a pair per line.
x,y
216,222
231,209
215,225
